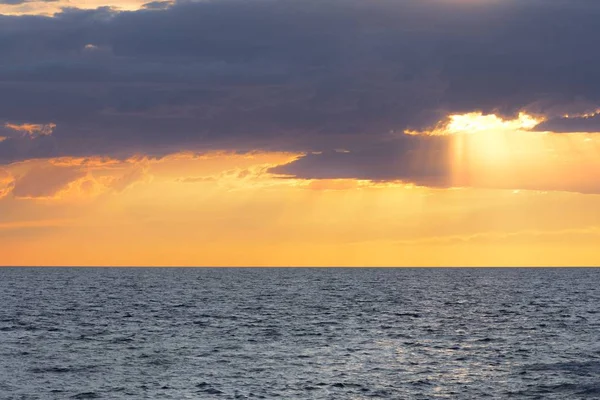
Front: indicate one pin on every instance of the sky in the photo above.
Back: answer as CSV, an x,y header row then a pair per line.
x,y
300,133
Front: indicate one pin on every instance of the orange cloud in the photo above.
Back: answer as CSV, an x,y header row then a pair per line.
x,y
6,183
32,130
88,162
237,177
50,8
139,173
45,181
73,178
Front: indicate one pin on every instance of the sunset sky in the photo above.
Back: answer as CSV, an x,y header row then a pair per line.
x,y
300,133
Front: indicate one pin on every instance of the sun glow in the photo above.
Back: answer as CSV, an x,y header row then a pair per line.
x,y
477,122
487,150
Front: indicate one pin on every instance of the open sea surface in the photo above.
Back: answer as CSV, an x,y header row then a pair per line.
x,y
113,333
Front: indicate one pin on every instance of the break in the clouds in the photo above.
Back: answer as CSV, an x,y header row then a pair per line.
x,y
300,76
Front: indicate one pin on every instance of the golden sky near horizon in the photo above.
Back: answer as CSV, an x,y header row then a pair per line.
x,y
227,209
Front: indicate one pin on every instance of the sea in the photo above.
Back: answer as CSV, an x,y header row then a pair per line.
x,y
293,333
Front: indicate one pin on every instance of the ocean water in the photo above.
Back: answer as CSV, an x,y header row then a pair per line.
x,y
106,333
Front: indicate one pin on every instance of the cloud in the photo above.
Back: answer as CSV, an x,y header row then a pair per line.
x,y
469,150
282,75
6,183
565,124
19,2
72,178
158,5
420,160
255,176
233,174
33,130
137,174
45,181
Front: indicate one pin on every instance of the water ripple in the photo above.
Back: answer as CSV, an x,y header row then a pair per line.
x,y
299,333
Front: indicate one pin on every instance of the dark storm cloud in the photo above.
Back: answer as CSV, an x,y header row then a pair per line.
x,y
419,160
288,75
158,5
577,124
